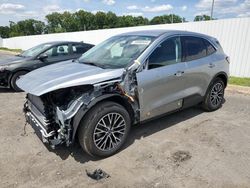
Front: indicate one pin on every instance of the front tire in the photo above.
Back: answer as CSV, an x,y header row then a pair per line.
x,y
104,129
14,79
215,95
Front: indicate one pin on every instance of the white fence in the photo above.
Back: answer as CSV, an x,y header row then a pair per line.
x,y
233,34
1,42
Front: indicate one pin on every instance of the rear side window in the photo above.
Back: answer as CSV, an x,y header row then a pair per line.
x,y
80,49
194,48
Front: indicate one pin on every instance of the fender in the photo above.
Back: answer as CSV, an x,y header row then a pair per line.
x,y
84,109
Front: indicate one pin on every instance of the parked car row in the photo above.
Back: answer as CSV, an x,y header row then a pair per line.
x,y
128,79
13,68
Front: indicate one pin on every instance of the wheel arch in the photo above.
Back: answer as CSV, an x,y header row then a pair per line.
x,y
14,72
108,97
221,75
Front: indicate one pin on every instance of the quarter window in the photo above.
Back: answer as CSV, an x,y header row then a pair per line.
x,y
210,48
167,53
80,49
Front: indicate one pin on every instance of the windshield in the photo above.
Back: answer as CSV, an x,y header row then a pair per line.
x,y
116,52
35,50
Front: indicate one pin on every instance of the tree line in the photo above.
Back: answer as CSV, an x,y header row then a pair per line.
x,y
83,21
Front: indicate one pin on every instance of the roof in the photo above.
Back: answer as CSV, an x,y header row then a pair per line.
x,y
159,32
63,42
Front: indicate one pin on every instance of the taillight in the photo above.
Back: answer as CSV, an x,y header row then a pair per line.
x,y
228,59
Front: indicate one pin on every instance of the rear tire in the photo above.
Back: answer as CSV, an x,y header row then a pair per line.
x,y
104,129
14,79
214,96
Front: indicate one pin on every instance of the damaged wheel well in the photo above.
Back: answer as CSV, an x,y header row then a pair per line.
x,y
114,98
124,102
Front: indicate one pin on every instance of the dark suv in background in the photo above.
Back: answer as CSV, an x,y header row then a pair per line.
x,y
13,68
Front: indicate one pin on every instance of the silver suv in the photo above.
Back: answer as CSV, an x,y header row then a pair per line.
x,y
125,80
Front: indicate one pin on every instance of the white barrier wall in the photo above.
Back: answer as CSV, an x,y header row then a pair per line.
x,y
1,42
233,34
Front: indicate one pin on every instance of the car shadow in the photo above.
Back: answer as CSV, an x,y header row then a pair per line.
x,y
146,129
137,132
6,90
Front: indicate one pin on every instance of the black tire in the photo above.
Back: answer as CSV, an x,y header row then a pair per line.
x,y
14,79
92,132
214,97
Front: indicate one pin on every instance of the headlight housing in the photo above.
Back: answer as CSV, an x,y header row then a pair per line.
x,y
3,68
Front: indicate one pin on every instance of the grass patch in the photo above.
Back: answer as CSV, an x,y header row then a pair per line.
x,y
11,50
239,81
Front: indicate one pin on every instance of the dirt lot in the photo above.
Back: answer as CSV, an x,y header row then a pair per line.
x,y
187,149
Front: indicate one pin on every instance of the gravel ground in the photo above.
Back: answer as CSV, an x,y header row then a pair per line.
x,y
191,148
6,54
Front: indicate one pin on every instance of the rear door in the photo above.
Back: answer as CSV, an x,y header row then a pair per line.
x,y
161,85
198,55
79,48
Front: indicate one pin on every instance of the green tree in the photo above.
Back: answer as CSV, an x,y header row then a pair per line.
x,y
202,18
101,20
69,22
26,27
164,19
85,20
55,23
111,20
4,31
81,21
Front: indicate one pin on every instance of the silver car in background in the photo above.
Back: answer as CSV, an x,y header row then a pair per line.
x,y
125,80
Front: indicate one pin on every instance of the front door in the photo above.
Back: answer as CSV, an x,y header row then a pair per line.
x,y
162,83
58,53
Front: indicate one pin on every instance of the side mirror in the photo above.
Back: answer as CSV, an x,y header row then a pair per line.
x,y
42,57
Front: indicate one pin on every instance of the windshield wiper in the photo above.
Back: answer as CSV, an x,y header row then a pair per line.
x,y
20,55
93,64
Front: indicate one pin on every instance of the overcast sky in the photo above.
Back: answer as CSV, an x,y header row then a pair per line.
x,y
16,10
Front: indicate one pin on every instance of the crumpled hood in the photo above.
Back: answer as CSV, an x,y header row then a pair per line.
x,y
63,75
12,60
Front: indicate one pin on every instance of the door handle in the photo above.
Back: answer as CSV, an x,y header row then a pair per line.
x,y
179,73
211,65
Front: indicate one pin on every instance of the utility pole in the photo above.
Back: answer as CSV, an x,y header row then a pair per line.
x,y
212,10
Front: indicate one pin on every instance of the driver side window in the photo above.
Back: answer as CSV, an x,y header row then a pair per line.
x,y
167,53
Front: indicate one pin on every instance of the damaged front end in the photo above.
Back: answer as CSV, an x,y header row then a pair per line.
x,y
55,116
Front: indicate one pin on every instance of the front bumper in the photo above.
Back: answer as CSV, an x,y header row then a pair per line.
x,y
4,79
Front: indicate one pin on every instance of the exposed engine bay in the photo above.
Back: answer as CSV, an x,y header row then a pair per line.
x,y
57,114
